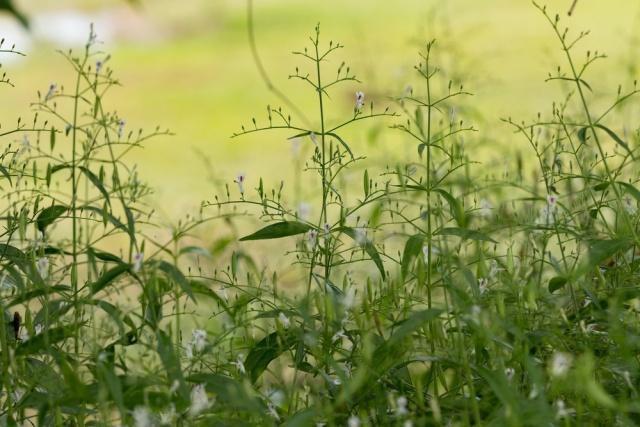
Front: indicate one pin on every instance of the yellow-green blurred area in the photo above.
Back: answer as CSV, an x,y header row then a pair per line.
x,y
187,66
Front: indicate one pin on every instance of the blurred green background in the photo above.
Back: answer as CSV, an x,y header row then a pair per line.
x,y
187,66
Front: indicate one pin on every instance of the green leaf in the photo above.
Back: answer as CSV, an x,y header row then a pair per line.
x,y
105,256
464,233
195,250
599,252
107,376
171,363
556,283
108,277
631,190
48,216
615,138
112,219
601,187
582,135
302,418
45,290
5,172
412,249
365,244
278,230
96,181
365,183
455,207
265,351
413,323
52,138
44,340
344,144
174,273
231,391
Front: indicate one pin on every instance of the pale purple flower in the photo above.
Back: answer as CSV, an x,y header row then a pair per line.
x,y
563,411
43,267
311,237
629,206
354,421
402,401
326,227
552,200
284,320
142,417
137,261
338,335
240,181
199,400
509,373
38,329
199,339
560,364
485,208
52,88
482,285
359,100
239,364
121,127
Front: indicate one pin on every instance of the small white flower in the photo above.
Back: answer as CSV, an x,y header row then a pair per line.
x,y
239,364
563,411
482,285
313,138
43,267
188,350
168,417
240,181
142,417
175,385
223,293
359,100
38,329
339,335
272,411
552,200
52,88
354,421
560,364
311,238
402,401
485,208
509,373
304,211
17,394
137,261
326,228
199,400
284,320
494,269
629,206
199,339
407,423
121,127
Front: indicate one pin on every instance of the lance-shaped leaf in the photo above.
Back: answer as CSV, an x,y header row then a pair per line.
x,y
265,351
278,230
365,244
598,253
96,181
412,249
177,276
344,144
464,233
108,277
48,215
